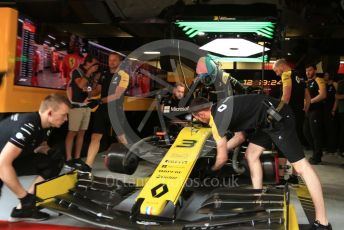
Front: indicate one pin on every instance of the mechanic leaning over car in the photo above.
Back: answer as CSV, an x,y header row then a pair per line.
x,y
270,118
24,151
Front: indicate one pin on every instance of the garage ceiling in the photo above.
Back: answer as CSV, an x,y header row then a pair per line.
x,y
304,27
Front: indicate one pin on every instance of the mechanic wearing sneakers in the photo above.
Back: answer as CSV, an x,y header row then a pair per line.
x,y
78,90
314,119
271,119
296,95
117,79
21,153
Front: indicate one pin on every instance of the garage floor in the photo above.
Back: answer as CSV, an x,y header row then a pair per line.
x,y
330,172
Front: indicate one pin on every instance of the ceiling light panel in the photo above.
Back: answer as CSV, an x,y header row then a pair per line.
x,y
233,47
191,29
239,59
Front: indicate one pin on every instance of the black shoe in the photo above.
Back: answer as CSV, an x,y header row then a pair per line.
x,y
314,161
78,162
69,164
28,215
293,179
84,169
317,226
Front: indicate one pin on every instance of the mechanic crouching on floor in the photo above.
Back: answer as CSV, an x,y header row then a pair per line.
x,y
271,119
24,152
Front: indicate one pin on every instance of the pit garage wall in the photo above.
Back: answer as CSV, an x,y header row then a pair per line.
x,y
27,99
15,98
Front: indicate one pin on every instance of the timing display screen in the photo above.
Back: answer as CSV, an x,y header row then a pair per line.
x,y
267,80
25,47
261,82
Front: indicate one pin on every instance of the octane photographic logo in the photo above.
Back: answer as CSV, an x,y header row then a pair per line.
x,y
181,51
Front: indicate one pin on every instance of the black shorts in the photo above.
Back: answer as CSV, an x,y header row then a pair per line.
x,y
37,164
283,134
102,123
260,138
46,166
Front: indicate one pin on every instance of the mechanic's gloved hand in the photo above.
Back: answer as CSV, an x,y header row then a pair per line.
x,y
94,103
28,201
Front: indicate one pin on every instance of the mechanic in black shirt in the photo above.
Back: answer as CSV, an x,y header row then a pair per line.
x,y
175,108
22,153
221,85
113,79
245,112
314,119
296,95
79,90
174,103
330,114
294,92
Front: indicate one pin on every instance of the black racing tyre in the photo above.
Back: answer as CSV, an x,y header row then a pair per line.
x,y
119,160
270,174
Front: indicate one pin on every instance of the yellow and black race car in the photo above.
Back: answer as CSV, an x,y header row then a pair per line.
x,y
178,195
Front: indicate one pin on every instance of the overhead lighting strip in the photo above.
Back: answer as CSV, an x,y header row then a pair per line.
x,y
265,29
234,47
239,59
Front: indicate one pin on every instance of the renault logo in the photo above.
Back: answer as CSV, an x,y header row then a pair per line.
x,y
159,190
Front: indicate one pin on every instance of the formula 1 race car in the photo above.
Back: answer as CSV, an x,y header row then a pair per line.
x,y
176,196
121,159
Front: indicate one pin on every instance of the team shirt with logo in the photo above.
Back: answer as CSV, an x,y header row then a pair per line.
x,y
113,80
298,86
24,130
314,85
238,113
175,108
110,81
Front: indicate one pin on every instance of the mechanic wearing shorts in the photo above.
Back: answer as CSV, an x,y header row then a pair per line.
x,y
22,153
247,112
296,94
113,79
78,90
